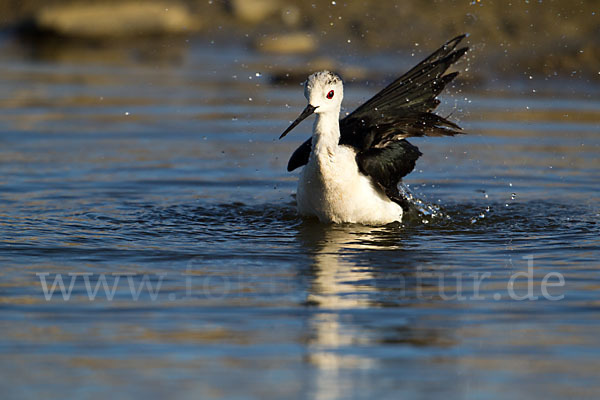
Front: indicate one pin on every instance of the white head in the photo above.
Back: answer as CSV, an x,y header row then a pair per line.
x,y
324,91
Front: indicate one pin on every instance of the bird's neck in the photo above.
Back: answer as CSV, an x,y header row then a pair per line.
x,y
326,134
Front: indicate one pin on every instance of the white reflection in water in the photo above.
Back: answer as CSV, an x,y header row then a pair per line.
x,y
335,288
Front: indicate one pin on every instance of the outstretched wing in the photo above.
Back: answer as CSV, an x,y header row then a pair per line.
x,y
377,128
403,108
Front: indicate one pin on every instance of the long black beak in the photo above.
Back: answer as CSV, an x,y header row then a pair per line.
x,y
306,113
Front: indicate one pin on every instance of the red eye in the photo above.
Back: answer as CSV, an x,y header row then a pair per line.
x,y
330,94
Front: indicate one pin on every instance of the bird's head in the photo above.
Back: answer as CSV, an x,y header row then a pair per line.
x,y
324,91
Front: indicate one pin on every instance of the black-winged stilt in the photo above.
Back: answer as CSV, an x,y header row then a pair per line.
x,y
352,166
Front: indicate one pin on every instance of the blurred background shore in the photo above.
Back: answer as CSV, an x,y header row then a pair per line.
x,y
510,39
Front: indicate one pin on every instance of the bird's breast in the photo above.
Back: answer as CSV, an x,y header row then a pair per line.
x,y
328,180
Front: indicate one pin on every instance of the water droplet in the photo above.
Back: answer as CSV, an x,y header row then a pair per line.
x,y
258,74
249,98
126,112
513,196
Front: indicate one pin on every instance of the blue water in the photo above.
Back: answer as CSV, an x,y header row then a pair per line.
x,y
166,182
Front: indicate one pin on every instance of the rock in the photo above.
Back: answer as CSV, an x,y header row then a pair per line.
x,y
290,43
115,19
253,11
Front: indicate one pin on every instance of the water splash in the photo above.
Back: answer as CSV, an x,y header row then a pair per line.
x,y
424,210
426,213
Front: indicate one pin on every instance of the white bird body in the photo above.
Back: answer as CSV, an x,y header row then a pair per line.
x,y
332,188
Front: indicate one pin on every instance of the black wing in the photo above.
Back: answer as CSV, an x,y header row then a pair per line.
x,y
300,156
387,165
377,128
403,108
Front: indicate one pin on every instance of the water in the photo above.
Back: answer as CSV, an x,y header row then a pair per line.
x,y
165,174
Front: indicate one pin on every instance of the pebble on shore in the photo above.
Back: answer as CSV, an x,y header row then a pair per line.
x,y
287,43
253,11
118,19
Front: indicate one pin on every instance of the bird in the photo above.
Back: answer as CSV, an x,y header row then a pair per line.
x,y
352,166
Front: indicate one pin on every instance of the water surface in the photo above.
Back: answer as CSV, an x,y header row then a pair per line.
x,y
168,175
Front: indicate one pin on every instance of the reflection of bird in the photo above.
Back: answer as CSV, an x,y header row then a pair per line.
x,y
353,166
